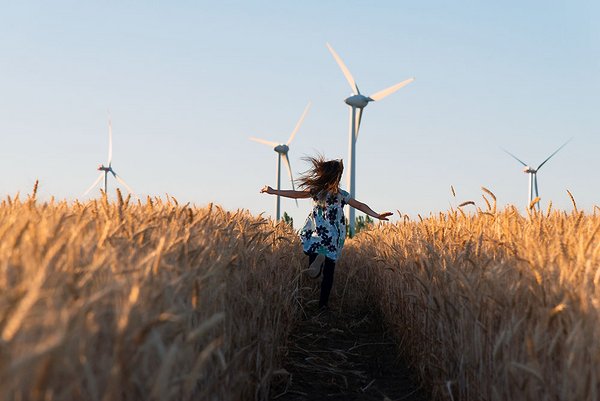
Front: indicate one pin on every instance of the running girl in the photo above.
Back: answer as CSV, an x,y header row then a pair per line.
x,y
324,232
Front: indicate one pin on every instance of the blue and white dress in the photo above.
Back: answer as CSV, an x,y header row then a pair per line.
x,y
324,231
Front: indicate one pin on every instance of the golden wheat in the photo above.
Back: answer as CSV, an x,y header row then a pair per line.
x,y
489,306
157,301
112,301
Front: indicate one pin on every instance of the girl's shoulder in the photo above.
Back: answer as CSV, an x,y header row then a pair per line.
x,y
344,195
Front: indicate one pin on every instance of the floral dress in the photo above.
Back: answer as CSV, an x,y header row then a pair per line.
x,y
324,231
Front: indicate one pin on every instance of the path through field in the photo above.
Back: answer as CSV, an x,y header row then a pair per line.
x,y
343,355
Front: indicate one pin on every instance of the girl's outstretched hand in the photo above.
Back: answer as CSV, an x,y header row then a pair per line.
x,y
266,189
384,216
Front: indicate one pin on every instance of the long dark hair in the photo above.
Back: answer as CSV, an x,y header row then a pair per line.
x,y
323,177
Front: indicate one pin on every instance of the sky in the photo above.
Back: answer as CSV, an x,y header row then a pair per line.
x,y
188,82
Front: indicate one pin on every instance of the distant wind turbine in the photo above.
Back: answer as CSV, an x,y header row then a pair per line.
x,y
282,152
358,101
533,184
105,170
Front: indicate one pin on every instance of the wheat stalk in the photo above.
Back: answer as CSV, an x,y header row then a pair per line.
x,y
572,201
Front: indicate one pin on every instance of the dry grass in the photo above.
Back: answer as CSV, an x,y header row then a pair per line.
x,y
153,301
491,305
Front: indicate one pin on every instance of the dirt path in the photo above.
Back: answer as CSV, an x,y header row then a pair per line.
x,y
343,355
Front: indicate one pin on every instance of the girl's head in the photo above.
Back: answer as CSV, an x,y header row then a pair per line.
x,y
323,177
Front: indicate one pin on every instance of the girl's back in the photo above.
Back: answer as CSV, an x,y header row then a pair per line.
x,y
324,231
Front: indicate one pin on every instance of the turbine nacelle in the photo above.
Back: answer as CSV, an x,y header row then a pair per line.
x,y
358,101
529,170
283,149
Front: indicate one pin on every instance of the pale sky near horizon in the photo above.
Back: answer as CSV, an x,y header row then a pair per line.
x,y
188,82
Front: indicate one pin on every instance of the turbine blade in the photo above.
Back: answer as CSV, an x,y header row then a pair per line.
x,y
289,169
118,178
386,92
555,152
358,120
344,69
515,157
93,185
298,124
109,141
263,141
535,185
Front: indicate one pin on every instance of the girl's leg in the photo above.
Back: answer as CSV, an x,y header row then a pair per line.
x,y
315,265
327,282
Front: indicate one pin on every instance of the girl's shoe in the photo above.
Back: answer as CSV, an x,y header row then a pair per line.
x,y
315,268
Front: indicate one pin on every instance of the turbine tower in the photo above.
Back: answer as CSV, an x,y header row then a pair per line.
x,y
282,153
358,102
105,170
533,183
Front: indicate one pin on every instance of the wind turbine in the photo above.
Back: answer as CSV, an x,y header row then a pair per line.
x,y
282,152
358,101
533,184
105,170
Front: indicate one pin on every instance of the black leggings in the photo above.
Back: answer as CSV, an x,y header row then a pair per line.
x,y
327,283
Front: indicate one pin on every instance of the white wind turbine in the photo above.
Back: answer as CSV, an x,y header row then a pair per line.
x,y
358,101
105,170
282,152
533,183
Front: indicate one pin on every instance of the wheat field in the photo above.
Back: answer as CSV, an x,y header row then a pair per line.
x,y
159,301
131,301
491,305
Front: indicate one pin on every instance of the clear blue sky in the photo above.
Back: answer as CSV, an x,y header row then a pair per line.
x,y
188,82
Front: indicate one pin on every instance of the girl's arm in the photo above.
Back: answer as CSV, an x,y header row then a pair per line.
x,y
285,193
366,209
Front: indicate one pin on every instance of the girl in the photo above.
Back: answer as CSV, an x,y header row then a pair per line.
x,y
324,232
